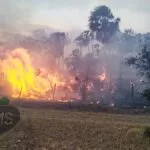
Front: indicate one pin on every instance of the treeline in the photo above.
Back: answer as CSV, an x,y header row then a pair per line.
x,y
103,47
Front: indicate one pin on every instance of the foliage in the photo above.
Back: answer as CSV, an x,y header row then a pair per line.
x,y
73,62
141,62
128,41
82,68
146,94
147,132
103,23
84,38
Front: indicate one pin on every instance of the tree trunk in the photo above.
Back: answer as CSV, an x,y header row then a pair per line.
x,y
88,49
81,50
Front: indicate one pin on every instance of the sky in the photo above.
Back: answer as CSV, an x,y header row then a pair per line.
x,y
70,15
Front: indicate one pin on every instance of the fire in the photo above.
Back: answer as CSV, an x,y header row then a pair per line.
x,y
102,77
24,79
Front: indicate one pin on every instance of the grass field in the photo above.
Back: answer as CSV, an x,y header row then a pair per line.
x,y
71,130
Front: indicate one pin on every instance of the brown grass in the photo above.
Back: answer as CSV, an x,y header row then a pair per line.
x,y
71,130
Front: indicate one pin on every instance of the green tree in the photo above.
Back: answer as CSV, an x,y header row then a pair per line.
x,y
103,23
142,63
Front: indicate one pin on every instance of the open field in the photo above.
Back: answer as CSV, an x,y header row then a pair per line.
x,y
45,129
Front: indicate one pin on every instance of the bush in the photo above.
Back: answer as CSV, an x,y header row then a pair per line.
x,y
146,94
147,132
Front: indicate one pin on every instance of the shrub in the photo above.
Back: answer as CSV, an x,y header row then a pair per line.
x,y
133,132
147,132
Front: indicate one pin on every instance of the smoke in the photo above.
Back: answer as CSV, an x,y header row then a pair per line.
x,y
18,16
16,20
14,13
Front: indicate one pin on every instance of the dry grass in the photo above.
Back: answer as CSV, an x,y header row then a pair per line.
x,y
70,130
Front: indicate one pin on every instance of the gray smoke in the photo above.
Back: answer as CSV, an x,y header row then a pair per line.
x,y
13,14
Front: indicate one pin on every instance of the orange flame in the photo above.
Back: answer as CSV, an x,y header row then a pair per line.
x,y
102,77
24,79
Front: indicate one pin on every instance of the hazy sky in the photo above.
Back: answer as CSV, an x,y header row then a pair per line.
x,y
72,14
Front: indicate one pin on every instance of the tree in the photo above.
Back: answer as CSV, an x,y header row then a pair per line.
x,y
58,41
103,23
142,63
83,40
74,61
127,41
86,69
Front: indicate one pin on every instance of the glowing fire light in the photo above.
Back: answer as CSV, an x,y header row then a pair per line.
x,y
102,77
24,79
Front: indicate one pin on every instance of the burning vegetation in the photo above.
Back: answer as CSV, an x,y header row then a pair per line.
x,y
21,78
48,65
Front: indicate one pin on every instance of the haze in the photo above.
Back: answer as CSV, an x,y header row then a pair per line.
x,y
69,15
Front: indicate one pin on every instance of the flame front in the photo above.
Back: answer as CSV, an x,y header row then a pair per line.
x,y
25,80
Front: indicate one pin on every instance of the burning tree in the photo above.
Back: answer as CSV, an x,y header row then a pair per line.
x,y
88,72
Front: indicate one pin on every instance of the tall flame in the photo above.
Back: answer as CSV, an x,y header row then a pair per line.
x,y
24,78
